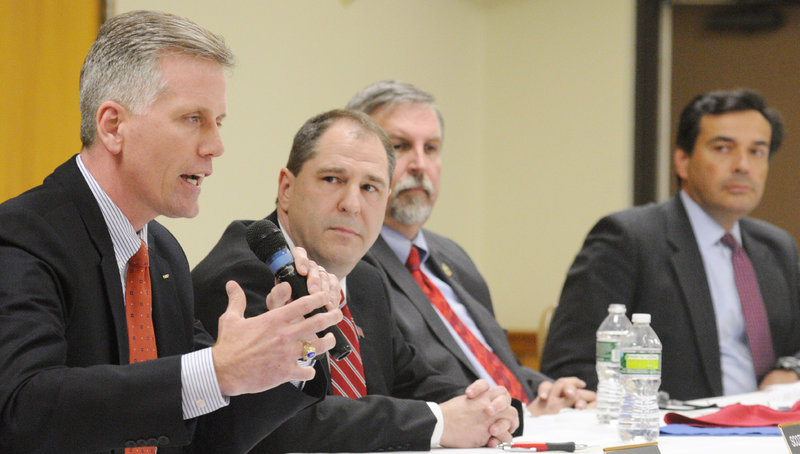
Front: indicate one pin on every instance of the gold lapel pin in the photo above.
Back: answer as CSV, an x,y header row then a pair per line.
x,y
165,276
447,270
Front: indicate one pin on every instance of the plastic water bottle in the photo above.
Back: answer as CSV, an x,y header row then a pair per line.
x,y
640,374
609,389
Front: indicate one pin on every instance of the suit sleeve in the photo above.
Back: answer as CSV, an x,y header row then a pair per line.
x,y
340,424
603,273
390,418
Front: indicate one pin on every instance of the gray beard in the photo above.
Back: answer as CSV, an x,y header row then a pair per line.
x,y
410,210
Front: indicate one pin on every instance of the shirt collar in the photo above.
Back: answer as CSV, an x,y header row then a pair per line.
x,y
124,238
707,231
401,246
290,244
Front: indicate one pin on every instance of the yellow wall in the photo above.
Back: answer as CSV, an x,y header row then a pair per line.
x,y
537,97
42,48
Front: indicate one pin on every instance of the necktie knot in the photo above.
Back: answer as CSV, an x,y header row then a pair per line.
x,y
730,241
412,263
140,259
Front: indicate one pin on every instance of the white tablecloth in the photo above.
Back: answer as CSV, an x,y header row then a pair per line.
x,y
581,426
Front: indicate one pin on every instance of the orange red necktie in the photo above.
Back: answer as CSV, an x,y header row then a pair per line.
x,y
493,365
139,308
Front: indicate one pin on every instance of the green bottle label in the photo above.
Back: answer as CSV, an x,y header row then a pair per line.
x,y
606,352
640,363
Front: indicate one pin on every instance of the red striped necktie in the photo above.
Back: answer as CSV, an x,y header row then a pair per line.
x,y
493,365
755,314
138,308
347,374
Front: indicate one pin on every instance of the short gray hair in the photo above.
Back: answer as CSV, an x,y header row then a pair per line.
x,y
122,64
388,93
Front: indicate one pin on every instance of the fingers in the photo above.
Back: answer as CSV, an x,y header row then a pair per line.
x,y
504,424
477,388
279,296
544,390
493,442
303,373
237,302
563,388
501,430
300,260
586,399
499,401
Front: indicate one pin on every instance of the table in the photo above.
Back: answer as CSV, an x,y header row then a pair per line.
x,y
581,426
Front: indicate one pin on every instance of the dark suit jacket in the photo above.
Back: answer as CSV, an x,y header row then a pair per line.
x,y
65,381
386,419
647,258
423,327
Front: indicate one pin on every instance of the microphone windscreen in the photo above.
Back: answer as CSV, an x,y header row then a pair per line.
x,y
265,239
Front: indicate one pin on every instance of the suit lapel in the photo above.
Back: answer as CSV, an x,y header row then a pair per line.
x,y
482,318
687,263
768,272
360,294
166,310
69,176
404,282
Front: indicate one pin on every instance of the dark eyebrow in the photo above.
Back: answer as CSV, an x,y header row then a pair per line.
x,y
341,171
377,180
726,139
335,170
721,139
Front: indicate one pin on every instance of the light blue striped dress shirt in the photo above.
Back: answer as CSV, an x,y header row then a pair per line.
x,y
738,375
200,390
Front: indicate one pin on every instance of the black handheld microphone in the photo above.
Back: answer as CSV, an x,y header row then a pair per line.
x,y
268,244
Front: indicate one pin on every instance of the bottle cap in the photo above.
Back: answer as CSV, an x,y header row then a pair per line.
x,y
641,318
617,308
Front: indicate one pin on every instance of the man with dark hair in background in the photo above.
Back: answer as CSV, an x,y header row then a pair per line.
x,y
722,288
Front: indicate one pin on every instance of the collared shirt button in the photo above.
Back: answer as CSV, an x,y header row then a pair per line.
x,y
201,403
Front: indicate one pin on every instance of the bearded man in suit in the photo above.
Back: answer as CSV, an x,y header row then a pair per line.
x,y
461,336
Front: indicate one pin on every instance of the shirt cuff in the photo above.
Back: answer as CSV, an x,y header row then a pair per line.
x,y
200,392
436,438
299,384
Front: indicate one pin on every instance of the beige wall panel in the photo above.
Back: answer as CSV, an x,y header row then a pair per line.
x,y
537,99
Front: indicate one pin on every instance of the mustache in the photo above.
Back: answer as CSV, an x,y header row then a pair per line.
x,y
414,181
740,180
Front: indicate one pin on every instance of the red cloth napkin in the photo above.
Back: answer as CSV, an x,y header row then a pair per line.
x,y
738,415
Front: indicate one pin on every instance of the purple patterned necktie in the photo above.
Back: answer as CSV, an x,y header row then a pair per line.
x,y
755,314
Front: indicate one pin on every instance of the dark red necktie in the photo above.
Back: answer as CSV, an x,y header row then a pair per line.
x,y
347,374
490,361
138,307
755,314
